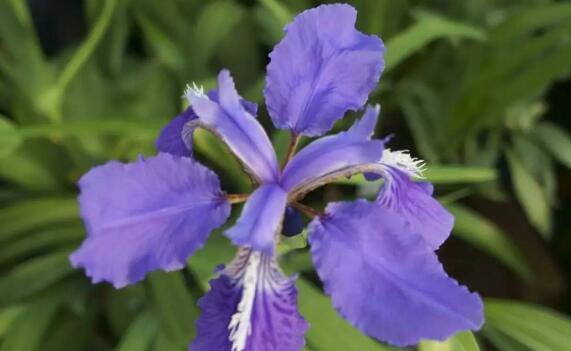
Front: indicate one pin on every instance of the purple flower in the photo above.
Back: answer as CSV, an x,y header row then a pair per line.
x,y
376,258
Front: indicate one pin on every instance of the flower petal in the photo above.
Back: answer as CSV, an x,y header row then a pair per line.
x,y
322,68
146,215
172,141
414,202
261,219
333,153
228,118
176,136
251,306
292,223
384,279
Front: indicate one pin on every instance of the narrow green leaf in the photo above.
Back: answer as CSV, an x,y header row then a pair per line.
x,y
328,331
140,335
175,306
535,327
51,101
93,127
42,240
464,341
30,327
428,28
214,23
7,316
440,174
485,235
10,139
33,276
29,214
449,174
555,140
530,195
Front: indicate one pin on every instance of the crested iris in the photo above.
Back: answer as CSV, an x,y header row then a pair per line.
x,y
154,213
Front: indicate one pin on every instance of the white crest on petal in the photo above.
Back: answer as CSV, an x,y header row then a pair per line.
x,y
194,91
240,324
402,160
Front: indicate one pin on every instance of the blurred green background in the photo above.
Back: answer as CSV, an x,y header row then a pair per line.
x,y
479,89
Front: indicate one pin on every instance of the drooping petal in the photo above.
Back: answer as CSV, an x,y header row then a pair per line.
x,y
176,136
251,306
413,200
330,154
261,219
146,215
322,68
384,279
245,137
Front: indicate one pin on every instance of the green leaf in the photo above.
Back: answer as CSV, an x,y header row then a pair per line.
x,y
214,23
100,126
428,28
440,174
140,335
42,240
29,214
530,195
328,331
175,306
535,327
464,341
450,174
10,139
50,101
8,316
30,327
555,140
485,235
33,276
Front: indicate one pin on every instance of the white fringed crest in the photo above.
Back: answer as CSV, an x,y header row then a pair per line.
x,y
402,160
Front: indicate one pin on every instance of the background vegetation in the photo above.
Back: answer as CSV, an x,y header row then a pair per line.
x,y
479,89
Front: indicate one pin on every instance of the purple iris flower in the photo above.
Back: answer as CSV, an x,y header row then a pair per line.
x,y
376,259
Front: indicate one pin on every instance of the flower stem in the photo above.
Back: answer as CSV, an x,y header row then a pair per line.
x,y
237,198
293,142
306,210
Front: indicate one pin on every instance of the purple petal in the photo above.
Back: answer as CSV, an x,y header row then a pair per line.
x,y
172,141
322,68
176,136
414,202
261,219
237,128
334,153
251,306
384,279
146,215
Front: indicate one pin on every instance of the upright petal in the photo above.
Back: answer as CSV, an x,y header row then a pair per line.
x,y
245,137
414,202
251,306
384,279
176,136
261,219
331,154
147,215
322,68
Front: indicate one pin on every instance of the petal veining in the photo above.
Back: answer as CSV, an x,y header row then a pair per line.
x,y
322,68
146,215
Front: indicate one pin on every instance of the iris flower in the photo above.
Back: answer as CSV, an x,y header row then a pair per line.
x,y
376,259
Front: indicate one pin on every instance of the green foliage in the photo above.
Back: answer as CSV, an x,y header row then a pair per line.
x,y
469,80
